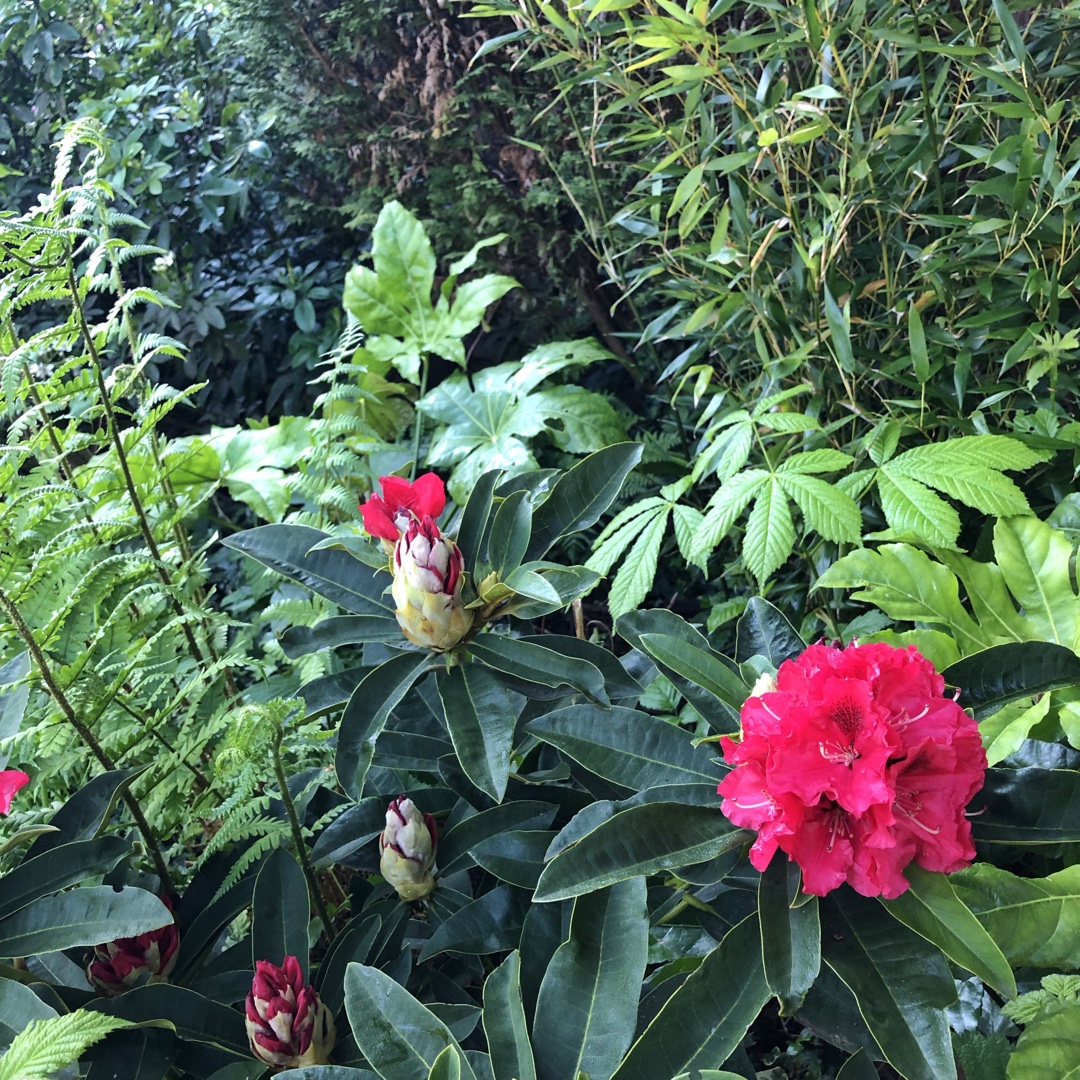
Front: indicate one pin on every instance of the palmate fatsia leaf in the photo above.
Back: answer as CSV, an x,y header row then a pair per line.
x,y
488,423
394,302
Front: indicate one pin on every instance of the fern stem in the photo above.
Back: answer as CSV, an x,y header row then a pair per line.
x,y
125,468
298,839
201,783
85,733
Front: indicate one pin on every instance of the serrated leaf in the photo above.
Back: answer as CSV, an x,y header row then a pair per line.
x,y
724,510
983,488
770,533
579,421
907,585
815,461
825,508
471,300
729,450
1050,1047
621,531
404,261
687,522
910,506
635,576
50,1044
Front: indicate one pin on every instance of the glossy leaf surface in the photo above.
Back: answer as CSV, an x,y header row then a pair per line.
x,y
584,1016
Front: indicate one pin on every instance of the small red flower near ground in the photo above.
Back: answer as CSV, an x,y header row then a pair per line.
x,y
10,782
854,764
388,515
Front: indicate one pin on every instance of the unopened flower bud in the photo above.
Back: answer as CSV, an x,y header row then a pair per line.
x,y
766,684
408,849
128,962
287,1025
427,571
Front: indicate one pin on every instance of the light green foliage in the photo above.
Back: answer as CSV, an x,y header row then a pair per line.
x,y
393,302
1058,992
1050,1043
1035,921
48,1045
799,223
488,424
1030,572
97,556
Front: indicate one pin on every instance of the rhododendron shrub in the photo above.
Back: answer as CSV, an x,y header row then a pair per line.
x,y
855,764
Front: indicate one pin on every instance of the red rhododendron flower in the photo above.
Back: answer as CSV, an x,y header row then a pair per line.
x,y
388,515
10,782
854,764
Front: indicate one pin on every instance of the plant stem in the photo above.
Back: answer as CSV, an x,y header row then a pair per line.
x,y
85,733
419,422
298,839
121,454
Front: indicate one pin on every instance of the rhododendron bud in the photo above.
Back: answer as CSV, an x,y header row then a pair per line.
x,y
128,962
287,1025
427,587
766,684
10,782
408,849
855,764
389,515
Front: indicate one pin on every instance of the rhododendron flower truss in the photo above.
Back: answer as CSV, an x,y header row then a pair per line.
x,y
855,764
388,515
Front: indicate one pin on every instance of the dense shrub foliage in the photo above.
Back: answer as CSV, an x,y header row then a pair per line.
x,y
643,642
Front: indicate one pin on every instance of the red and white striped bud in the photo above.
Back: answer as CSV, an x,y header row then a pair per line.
x,y
427,571
287,1025
408,849
128,962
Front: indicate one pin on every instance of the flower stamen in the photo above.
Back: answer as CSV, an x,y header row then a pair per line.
x,y
838,754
